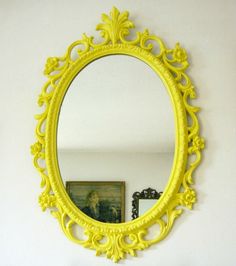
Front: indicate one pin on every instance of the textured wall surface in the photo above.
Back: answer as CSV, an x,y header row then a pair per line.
x,y
33,30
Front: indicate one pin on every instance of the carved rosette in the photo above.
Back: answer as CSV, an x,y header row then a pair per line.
x,y
118,242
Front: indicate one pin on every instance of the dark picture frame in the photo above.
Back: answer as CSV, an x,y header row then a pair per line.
x,y
148,193
103,201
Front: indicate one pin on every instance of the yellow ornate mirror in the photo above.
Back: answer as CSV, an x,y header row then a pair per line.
x,y
116,237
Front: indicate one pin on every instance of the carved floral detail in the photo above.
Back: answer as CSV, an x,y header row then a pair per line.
x,y
189,198
198,144
51,65
36,148
46,201
179,53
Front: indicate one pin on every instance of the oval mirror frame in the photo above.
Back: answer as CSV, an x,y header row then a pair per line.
x,y
117,240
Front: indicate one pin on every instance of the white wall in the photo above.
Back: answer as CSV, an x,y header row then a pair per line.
x,y
138,170
30,31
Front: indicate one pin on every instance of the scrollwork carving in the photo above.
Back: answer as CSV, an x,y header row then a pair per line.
x,y
170,65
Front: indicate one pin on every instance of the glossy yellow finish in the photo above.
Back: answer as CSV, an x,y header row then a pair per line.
x,y
117,240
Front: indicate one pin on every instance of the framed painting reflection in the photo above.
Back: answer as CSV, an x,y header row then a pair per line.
x,y
102,201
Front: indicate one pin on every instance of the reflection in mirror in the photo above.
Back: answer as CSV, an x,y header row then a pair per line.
x,y
143,201
115,136
145,205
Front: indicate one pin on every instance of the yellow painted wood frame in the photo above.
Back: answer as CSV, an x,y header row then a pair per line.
x,y
117,240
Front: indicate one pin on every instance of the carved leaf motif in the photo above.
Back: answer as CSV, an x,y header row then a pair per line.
x,y
115,25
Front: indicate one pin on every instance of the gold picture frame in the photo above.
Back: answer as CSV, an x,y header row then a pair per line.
x,y
117,240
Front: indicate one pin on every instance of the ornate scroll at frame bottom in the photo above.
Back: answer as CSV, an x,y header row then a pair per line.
x,y
117,240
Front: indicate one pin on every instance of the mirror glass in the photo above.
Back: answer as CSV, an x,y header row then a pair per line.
x,y
115,136
145,205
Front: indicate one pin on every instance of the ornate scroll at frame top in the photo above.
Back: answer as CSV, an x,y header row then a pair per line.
x,y
170,65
